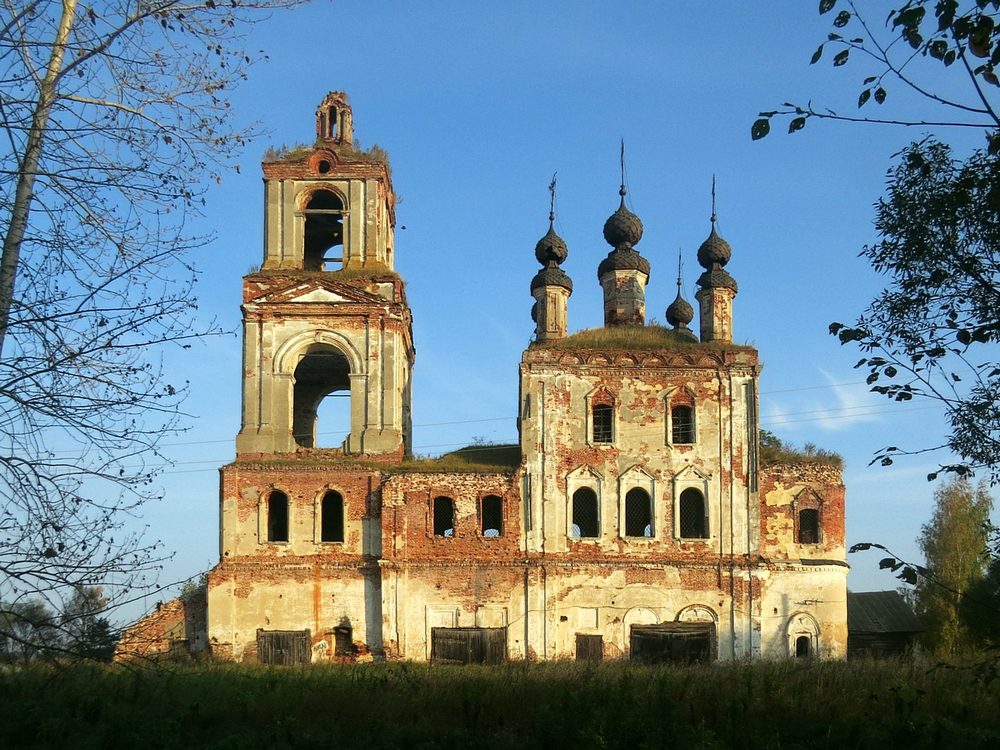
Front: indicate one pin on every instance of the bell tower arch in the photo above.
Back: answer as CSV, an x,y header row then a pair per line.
x,y
326,315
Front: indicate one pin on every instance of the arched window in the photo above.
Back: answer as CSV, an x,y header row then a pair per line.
x,y
323,230
585,514
277,517
808,526
693,524
444,516
332,517
322,373
491,516
638,513
682,424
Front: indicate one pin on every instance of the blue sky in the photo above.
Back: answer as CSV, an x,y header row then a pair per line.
x,y
477,105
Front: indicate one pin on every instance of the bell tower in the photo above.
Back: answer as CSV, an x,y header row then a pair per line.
x,y
326,316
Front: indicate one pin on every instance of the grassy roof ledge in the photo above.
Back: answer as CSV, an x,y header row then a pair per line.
x,y
477,458
650,336
773,450
347,152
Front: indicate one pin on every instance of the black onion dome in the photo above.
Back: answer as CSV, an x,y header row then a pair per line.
x,y
551,248
623,227
680,312
714,250
551,276
717,278
623,259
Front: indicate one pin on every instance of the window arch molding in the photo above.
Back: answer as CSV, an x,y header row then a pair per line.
x,y
691,478
291,351
309,191
601,407
697,613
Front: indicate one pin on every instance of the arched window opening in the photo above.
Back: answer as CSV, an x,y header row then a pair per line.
x,y
693,524
324,230
277,517
602,421
808,526
323,371
803,647
682,425
332,517
444,516
491,511
585,515
638,513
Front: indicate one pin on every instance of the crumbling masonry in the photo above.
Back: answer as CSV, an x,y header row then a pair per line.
x,y
634,519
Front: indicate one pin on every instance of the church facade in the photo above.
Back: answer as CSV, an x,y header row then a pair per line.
x,y
635,519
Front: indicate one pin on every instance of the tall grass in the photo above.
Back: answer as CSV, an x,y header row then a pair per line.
x,y
399,705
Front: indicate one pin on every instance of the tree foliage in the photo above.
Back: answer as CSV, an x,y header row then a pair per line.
x,y
980,607
933,332
954,544
960,33
115,118
30,630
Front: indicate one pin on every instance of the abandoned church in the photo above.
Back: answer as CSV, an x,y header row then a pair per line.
x,y
636,518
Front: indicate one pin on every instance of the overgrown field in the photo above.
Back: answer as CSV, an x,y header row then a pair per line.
x,y
769,705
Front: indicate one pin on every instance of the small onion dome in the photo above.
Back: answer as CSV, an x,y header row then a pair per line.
x,y
534,313
551,248
623,259
551,276
714,250
680,312
717,278
622,227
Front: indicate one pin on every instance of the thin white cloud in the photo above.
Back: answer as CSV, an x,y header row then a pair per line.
x,y
841,407
855,405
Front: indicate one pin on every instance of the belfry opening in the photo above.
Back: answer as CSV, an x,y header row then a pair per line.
x,y
324,231
322,373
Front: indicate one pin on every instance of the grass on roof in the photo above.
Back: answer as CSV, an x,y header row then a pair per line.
x,y
773,450
476,458
348,153
651,336
342,274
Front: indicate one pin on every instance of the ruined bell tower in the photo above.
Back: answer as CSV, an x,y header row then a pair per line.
x,y
326,316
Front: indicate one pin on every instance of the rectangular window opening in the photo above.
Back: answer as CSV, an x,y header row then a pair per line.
x,y
602,418
682,425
